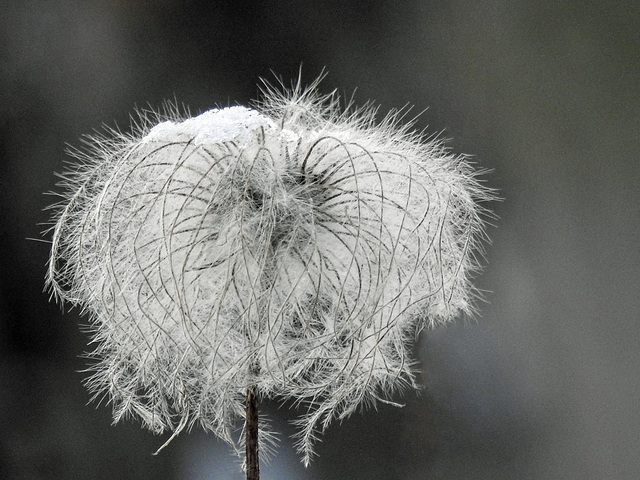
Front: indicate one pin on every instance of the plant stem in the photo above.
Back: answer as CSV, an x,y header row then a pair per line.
x,y
251,431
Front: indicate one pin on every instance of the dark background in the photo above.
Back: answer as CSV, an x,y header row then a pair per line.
x,y
544,385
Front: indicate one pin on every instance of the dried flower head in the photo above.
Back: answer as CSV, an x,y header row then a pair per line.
x,y
293,248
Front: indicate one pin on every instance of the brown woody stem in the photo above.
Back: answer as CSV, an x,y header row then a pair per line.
x,y
251,432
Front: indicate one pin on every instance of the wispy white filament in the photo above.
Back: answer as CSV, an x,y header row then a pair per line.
x,y
290,247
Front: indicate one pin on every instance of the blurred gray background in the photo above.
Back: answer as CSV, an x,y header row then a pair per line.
x,y
544,385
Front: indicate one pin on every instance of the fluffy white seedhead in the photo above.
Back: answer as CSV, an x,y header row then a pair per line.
x,y
291,247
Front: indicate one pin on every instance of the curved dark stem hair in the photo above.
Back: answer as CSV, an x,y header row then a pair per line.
x,y
251,432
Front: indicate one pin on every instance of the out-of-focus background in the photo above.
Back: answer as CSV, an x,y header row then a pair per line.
x,y
544,385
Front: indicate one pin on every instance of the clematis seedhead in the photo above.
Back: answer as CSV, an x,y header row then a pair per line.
x,y
295,248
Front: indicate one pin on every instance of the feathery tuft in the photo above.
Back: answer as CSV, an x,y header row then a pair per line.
x,y
294,247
